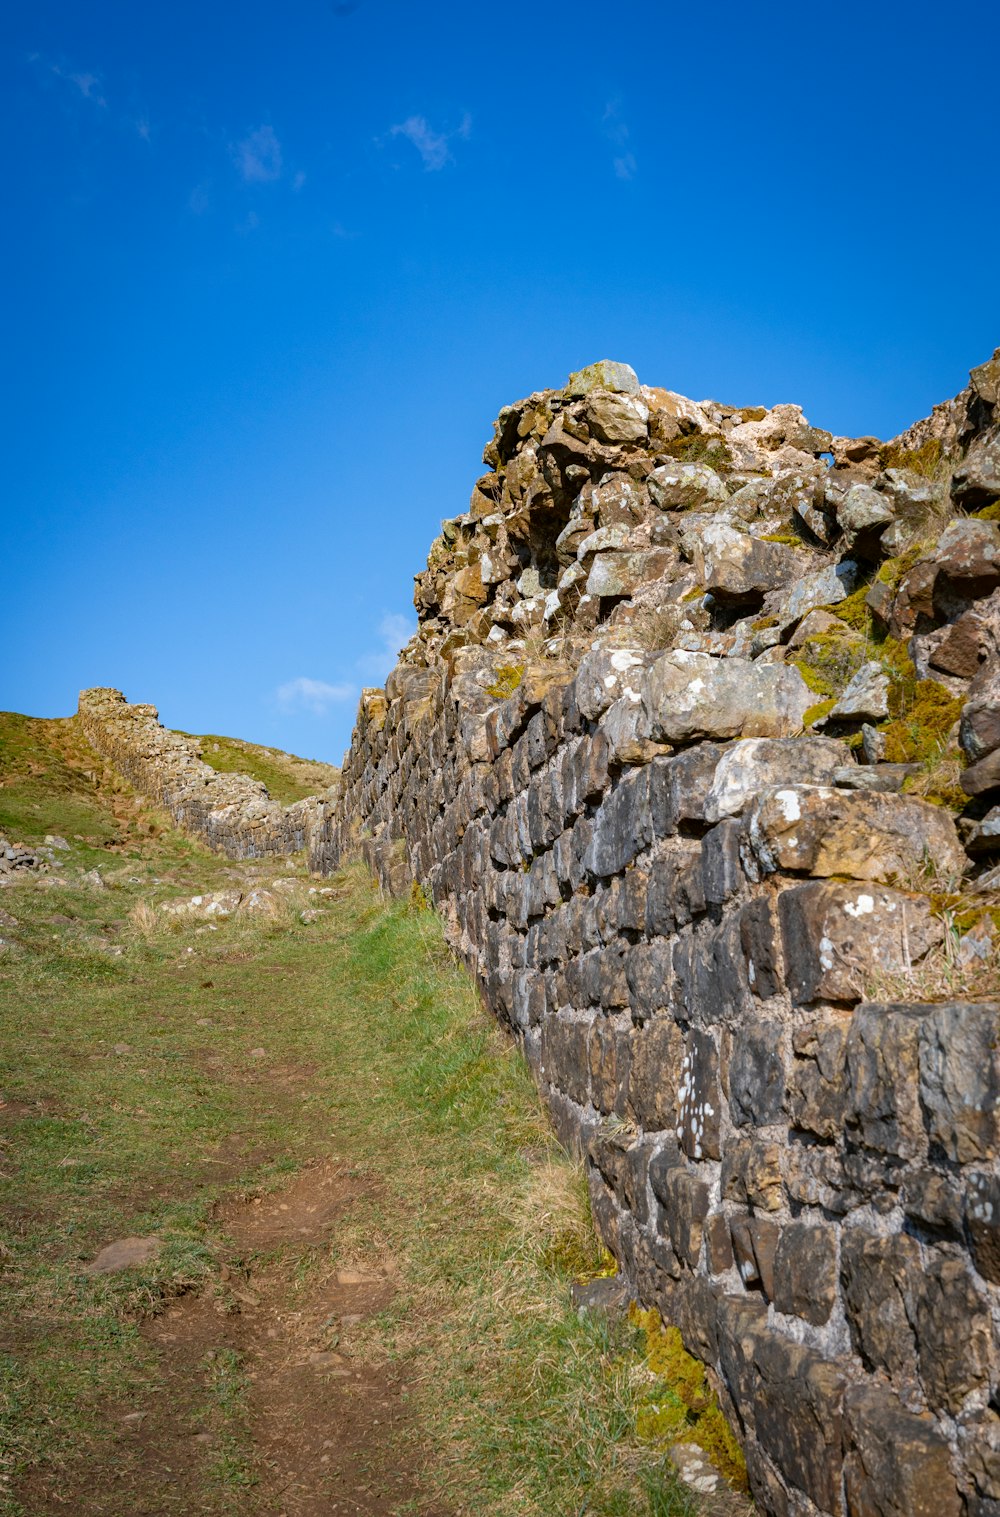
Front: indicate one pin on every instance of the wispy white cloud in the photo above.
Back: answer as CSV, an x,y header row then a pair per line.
x,y
393,631
617,132
298,181
89,85
434,147
315,696
258,156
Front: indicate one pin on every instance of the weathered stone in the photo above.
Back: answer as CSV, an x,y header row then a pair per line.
x,y
883,1048
699,1098
718,1243
805,1272
757,1075
824,587
864,835
954,1334
982,1216
866,697
976,481
615,574
736,568
691,695
960,1077
605,675
898,1464
881,1278
657,1055
616,378
863,513
834,936
685,1199
684,487
798,1415
747,768
617,418
818,1080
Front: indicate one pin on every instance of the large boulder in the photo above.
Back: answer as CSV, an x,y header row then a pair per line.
x,y
605,374
864,835
758,763
735,567
692,695
976,481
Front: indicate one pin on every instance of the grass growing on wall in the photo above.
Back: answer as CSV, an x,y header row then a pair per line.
x,y
287,778
154,1066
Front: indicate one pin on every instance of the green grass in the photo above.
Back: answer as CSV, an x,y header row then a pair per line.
x,y
287,778
134,1104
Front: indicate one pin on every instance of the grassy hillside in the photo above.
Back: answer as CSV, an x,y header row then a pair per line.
x,y
287,778
358,1293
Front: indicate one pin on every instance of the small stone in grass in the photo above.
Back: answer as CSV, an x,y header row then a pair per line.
x,y
123,1254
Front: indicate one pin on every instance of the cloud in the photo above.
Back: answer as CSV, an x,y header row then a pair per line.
x,y
89,85
258,156
298,181
433,147
617,133
315,696
393,631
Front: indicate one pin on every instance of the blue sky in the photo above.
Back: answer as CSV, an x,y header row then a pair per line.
x,y
271,269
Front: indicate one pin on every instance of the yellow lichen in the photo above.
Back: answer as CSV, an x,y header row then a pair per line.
x,y
507,679
679,1404
816,713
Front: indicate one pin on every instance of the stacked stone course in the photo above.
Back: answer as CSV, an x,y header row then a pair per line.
x,y
232,813
675,885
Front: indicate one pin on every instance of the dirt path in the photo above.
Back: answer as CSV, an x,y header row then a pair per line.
x,y
260,1379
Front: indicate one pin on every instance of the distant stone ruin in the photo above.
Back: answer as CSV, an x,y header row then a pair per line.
x,y
697,752
231,812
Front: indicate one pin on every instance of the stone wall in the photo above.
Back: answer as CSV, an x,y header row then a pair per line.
x,y
697,752
231,812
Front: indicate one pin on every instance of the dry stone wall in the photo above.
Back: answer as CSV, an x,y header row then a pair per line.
x,y
697,751
231,812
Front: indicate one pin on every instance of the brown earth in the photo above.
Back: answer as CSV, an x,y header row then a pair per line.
x,y
320,1431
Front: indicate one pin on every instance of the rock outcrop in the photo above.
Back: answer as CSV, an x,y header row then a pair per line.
x,y
697,752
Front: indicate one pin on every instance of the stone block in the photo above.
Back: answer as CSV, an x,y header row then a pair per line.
x,y
565,1062
756,1074
654,1073
608,1057
954,1334
805,1272
898,1464
718,1243
699,1097
798,1415
758,938
960,1077
881,1276
817,1087
649,973
751,1173
883,1093
864,835
686,1207
622,825
982,1216
835,935
721,872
